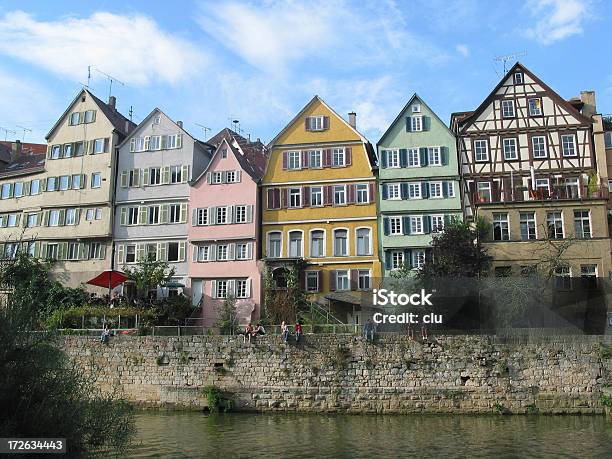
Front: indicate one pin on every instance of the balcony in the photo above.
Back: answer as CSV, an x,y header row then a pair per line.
x,y
552,194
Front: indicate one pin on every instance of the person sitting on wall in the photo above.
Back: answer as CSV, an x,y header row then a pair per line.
x,y
298,331
259,330
105,335
368,330
247,332
285,331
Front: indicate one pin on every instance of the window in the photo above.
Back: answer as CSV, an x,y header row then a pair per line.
x,y
416,123
79,149
202,217
535,107
173,252
96,180
340,243
52,251
171,141
18,189
437,223
610,186
317,243
416,108
582,224
434,157
542,187
75,118
295,244
484,191
608,139
64,182
130,253
395,226
361,191
363,241
73,251
6,190
314,160
56,151
31,248
90,116
315,123
563,279
176,174
316,196
510,151
481,150
418,259
71,217
294,160
155,142
364,279
139,144
416,224
414,191
588,273
435,190
51,184
99,146
153,215
338,157
76,181
275,243
12,220
508,108
393,158
224,153
295,197
501,230
393,191
518,78
98,214
223,252
242,251
154,176
342,280
68,150
89,215
451,189
554,221
174,211
95,250
339,195
568,145
312,281
221,215
242,290
32,220
538,146
222,289
240,214
230,177
414,157
572,188
397,259
528,225
34,187
203,253
54,217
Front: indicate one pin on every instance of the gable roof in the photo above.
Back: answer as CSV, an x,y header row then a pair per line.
x,y
301,112
120,123
463,123
399,115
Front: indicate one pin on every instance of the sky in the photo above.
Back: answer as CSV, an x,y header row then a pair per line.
x,y
210,62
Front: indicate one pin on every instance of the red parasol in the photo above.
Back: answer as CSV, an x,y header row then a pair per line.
x,y
108,279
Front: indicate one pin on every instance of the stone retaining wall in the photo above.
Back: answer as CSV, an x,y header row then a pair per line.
x,y
458,374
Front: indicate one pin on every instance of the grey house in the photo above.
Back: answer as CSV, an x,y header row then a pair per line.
x,y
156,162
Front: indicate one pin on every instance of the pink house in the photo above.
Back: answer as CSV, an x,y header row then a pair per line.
x,y
224,229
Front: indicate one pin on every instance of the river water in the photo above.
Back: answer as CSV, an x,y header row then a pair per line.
x,y
177,435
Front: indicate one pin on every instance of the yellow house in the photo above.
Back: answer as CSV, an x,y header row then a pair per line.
x,y
319,206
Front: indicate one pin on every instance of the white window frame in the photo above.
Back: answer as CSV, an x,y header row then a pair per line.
x,y
348,242
478,155
573,145
417,224
437,227
369,247
532,113
394,191
509,143
415,190
418,259
345,275
316,191
269,235
397,259
436,186
315,159
295,198
416,123
508,104
294,160
323,246
393,159
310,275
434,156
339,157
359,191
503,220
413,156
399,226
544,145
530,222
301,246
342,189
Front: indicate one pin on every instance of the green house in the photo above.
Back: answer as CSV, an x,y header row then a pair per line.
x,y
418,180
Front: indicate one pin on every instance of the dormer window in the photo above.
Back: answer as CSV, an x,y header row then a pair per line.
x,y
518,78
317,123
416,108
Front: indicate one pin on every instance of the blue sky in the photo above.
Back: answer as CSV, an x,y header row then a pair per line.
x,y
207,62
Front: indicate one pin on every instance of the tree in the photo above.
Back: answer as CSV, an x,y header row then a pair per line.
x,y
228,318
148,274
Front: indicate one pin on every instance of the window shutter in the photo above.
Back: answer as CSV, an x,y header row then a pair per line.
x,y
120,254
140,252
348,156
403,155
162,251
224,177
327,158
231,251
383,159
212,252
249,212
444,153
194,217
388,260
332,280
91,147
249,250
43,185
285,161
62,217
179,141
62,250
230,214
424,190
248,288
185,174
142,215
307,123
277,198
183,215
372,191
408,258
353,276
26,188
132,145
426,122
164,216
445,189
194,253
406,225
136,173
270,199
423,153
386,226
165,172
408,124
305,196
427,224
124,179
212,217
326,122
328,195
77,216
83,180
231,287
385,191
45,218
284,198
447,219
350,191
106,144
145,177
164,142
404,190
213,289
209,177
182,250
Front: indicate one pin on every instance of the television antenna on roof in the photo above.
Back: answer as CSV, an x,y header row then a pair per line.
x,y
509,58
205,129
6,132
25,129
110,78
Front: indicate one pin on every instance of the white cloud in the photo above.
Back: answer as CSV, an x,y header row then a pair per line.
x,y
463,50
132,48
558,19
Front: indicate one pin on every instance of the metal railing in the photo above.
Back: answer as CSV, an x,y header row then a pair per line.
x,y
556,193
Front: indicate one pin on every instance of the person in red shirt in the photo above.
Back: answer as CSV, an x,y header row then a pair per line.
x,y
298,331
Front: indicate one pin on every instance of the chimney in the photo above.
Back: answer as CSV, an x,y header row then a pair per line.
x,y
588,99
353,119
112,101
180,124
16,149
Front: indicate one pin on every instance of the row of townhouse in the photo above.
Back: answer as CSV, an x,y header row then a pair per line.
x,y
107,193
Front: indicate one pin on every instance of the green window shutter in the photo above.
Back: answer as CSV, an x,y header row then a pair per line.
x,y
185,174
83,180
179,141
45,218
250,213
183,216
103,252
182,250
142,215
26,188
11,189
37,249
165,175
164,214
43,185
123,218
120,254
140,252
77,216
43,250
145,177
124,179
162,251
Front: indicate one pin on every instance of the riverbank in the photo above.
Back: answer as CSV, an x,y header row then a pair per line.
x,y
344,373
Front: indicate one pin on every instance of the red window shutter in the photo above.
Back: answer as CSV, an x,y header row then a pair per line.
x,y
332,280
270,198
350,189
372,191
304,160
277,199
349,156
285,160
306,196
328,195
284,197
354,279
326,122
327,157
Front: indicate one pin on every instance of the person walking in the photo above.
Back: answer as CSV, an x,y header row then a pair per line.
x,y
298,331
285,331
